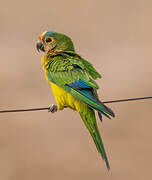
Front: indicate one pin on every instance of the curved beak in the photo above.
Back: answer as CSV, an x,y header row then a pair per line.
x,y
39,46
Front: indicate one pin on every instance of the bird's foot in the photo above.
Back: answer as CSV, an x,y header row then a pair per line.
x,y
53,108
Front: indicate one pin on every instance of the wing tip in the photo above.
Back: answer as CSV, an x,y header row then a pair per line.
x,y
109,111
100,116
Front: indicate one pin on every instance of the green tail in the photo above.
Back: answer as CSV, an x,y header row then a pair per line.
x,y
90,122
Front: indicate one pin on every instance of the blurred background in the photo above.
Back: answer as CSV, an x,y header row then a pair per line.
x,y
116,37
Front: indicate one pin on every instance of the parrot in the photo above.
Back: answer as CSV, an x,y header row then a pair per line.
x,y
72,79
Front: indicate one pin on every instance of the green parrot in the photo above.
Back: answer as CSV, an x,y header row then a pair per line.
x,y
72,79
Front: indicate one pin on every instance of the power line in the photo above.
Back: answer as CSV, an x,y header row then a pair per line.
x,y
47,108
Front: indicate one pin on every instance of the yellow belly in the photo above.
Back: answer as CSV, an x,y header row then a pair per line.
x,y
64,99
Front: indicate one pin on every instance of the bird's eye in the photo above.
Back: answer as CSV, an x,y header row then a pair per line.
x,y
48,40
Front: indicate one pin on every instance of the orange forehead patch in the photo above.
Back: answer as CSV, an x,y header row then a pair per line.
x,y
41,36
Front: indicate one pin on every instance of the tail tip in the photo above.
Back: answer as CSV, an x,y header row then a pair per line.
x,y
107,164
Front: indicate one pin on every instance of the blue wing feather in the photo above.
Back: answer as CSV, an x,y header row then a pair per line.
x,y
79,84
84,88
88,91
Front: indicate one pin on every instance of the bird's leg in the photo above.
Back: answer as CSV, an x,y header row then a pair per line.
x,y
53,108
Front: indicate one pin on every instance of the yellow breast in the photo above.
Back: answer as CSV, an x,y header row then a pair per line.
x,y
63,98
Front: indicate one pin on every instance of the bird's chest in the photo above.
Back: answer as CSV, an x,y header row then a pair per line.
x,y
63,98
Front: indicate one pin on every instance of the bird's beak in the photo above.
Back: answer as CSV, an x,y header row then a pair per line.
x,y
40,46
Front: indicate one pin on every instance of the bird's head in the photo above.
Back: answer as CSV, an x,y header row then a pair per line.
x,y
52,42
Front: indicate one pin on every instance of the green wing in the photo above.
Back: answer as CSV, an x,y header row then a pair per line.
x,y
63,70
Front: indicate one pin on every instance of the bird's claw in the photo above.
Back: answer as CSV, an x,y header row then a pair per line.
x,y
53,108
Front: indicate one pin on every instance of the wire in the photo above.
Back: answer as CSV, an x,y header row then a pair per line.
x,y
23,110
130,99
47,108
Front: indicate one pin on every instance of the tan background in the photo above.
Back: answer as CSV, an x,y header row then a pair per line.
x,y
116,36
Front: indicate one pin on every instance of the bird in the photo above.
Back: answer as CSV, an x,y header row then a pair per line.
x,y
72,79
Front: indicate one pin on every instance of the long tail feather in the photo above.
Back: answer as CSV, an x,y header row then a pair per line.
x,y
90,122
